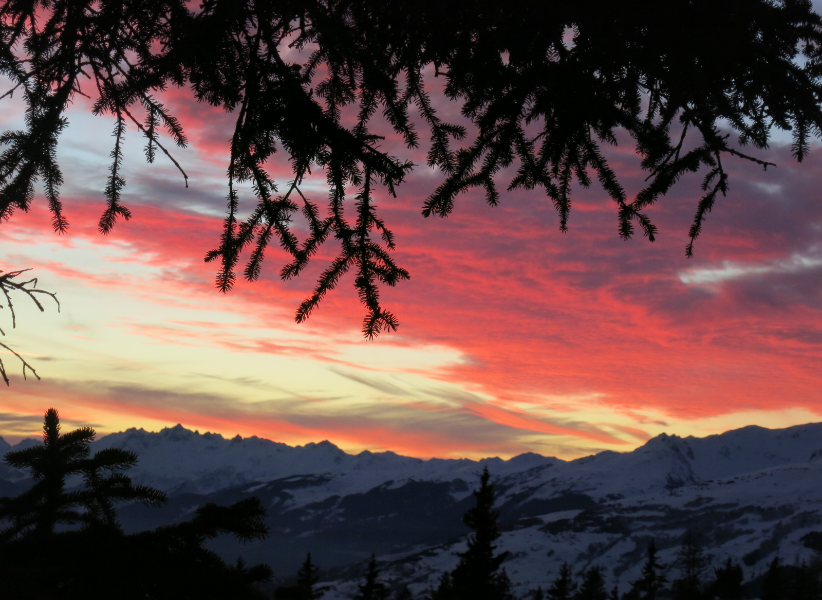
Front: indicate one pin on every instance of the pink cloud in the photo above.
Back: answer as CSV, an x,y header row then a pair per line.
x,y
536,313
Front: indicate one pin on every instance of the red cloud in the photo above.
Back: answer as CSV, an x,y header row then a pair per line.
x,y
538,315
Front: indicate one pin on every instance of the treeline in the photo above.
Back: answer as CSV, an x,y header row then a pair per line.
x,y
481,576
780,582
65,544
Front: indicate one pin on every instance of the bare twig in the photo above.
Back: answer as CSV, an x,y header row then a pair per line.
x,y
26,365
29,288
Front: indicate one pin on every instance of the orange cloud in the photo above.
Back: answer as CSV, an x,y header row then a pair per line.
x,y
537,315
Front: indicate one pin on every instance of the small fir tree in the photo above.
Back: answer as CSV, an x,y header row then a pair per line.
x,y
305,588
593,586
774,582
538,594
372,589
691,561
727,584
647,587
815,575
478,575
614,593
564,585
404,594
61,562
805,583
307,578
445,590
47,504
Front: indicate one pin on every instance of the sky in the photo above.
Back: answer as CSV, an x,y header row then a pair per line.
x,y
514,337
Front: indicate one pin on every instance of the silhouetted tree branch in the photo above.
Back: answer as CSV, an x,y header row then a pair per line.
x,y
9,286
547,86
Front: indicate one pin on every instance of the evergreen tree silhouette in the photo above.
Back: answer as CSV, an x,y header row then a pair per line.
x,y
167,563
372,589
593,586
478,575
46,505
43,556
691,561
404,594
518,72
653,578
563,586
538,594
614,593
180,548
775,581
305,589
307,578
806,584
445,589
727,584
815,573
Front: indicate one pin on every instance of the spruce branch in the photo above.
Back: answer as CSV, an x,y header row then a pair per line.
x,y
152,120
116,183
669,91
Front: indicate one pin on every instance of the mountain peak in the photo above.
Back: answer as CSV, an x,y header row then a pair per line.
x,y
178,433
325,445
665,440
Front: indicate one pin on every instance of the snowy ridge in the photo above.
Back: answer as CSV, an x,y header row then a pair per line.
x,y
750,518
680,461
177,459
752,494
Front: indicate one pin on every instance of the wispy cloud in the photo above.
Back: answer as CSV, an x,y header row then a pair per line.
x,y
729,271
512,335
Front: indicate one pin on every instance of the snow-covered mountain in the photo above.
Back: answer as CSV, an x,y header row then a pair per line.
x,y
750,493
750,516
177,459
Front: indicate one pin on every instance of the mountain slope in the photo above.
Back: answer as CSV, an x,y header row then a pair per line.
x,y
751,494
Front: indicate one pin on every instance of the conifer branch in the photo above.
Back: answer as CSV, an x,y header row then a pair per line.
x,y
153,140
368,59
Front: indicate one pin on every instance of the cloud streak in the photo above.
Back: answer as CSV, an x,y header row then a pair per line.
x,y
510,330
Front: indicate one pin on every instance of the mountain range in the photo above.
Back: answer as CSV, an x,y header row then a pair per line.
x,y
750,494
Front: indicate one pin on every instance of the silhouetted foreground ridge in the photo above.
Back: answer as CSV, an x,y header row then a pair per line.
x,y
69,544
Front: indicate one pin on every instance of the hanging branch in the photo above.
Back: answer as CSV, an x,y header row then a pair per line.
x,y
539,105
29,288
26,366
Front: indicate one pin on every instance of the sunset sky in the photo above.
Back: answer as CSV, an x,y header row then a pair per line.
x,y
514,337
